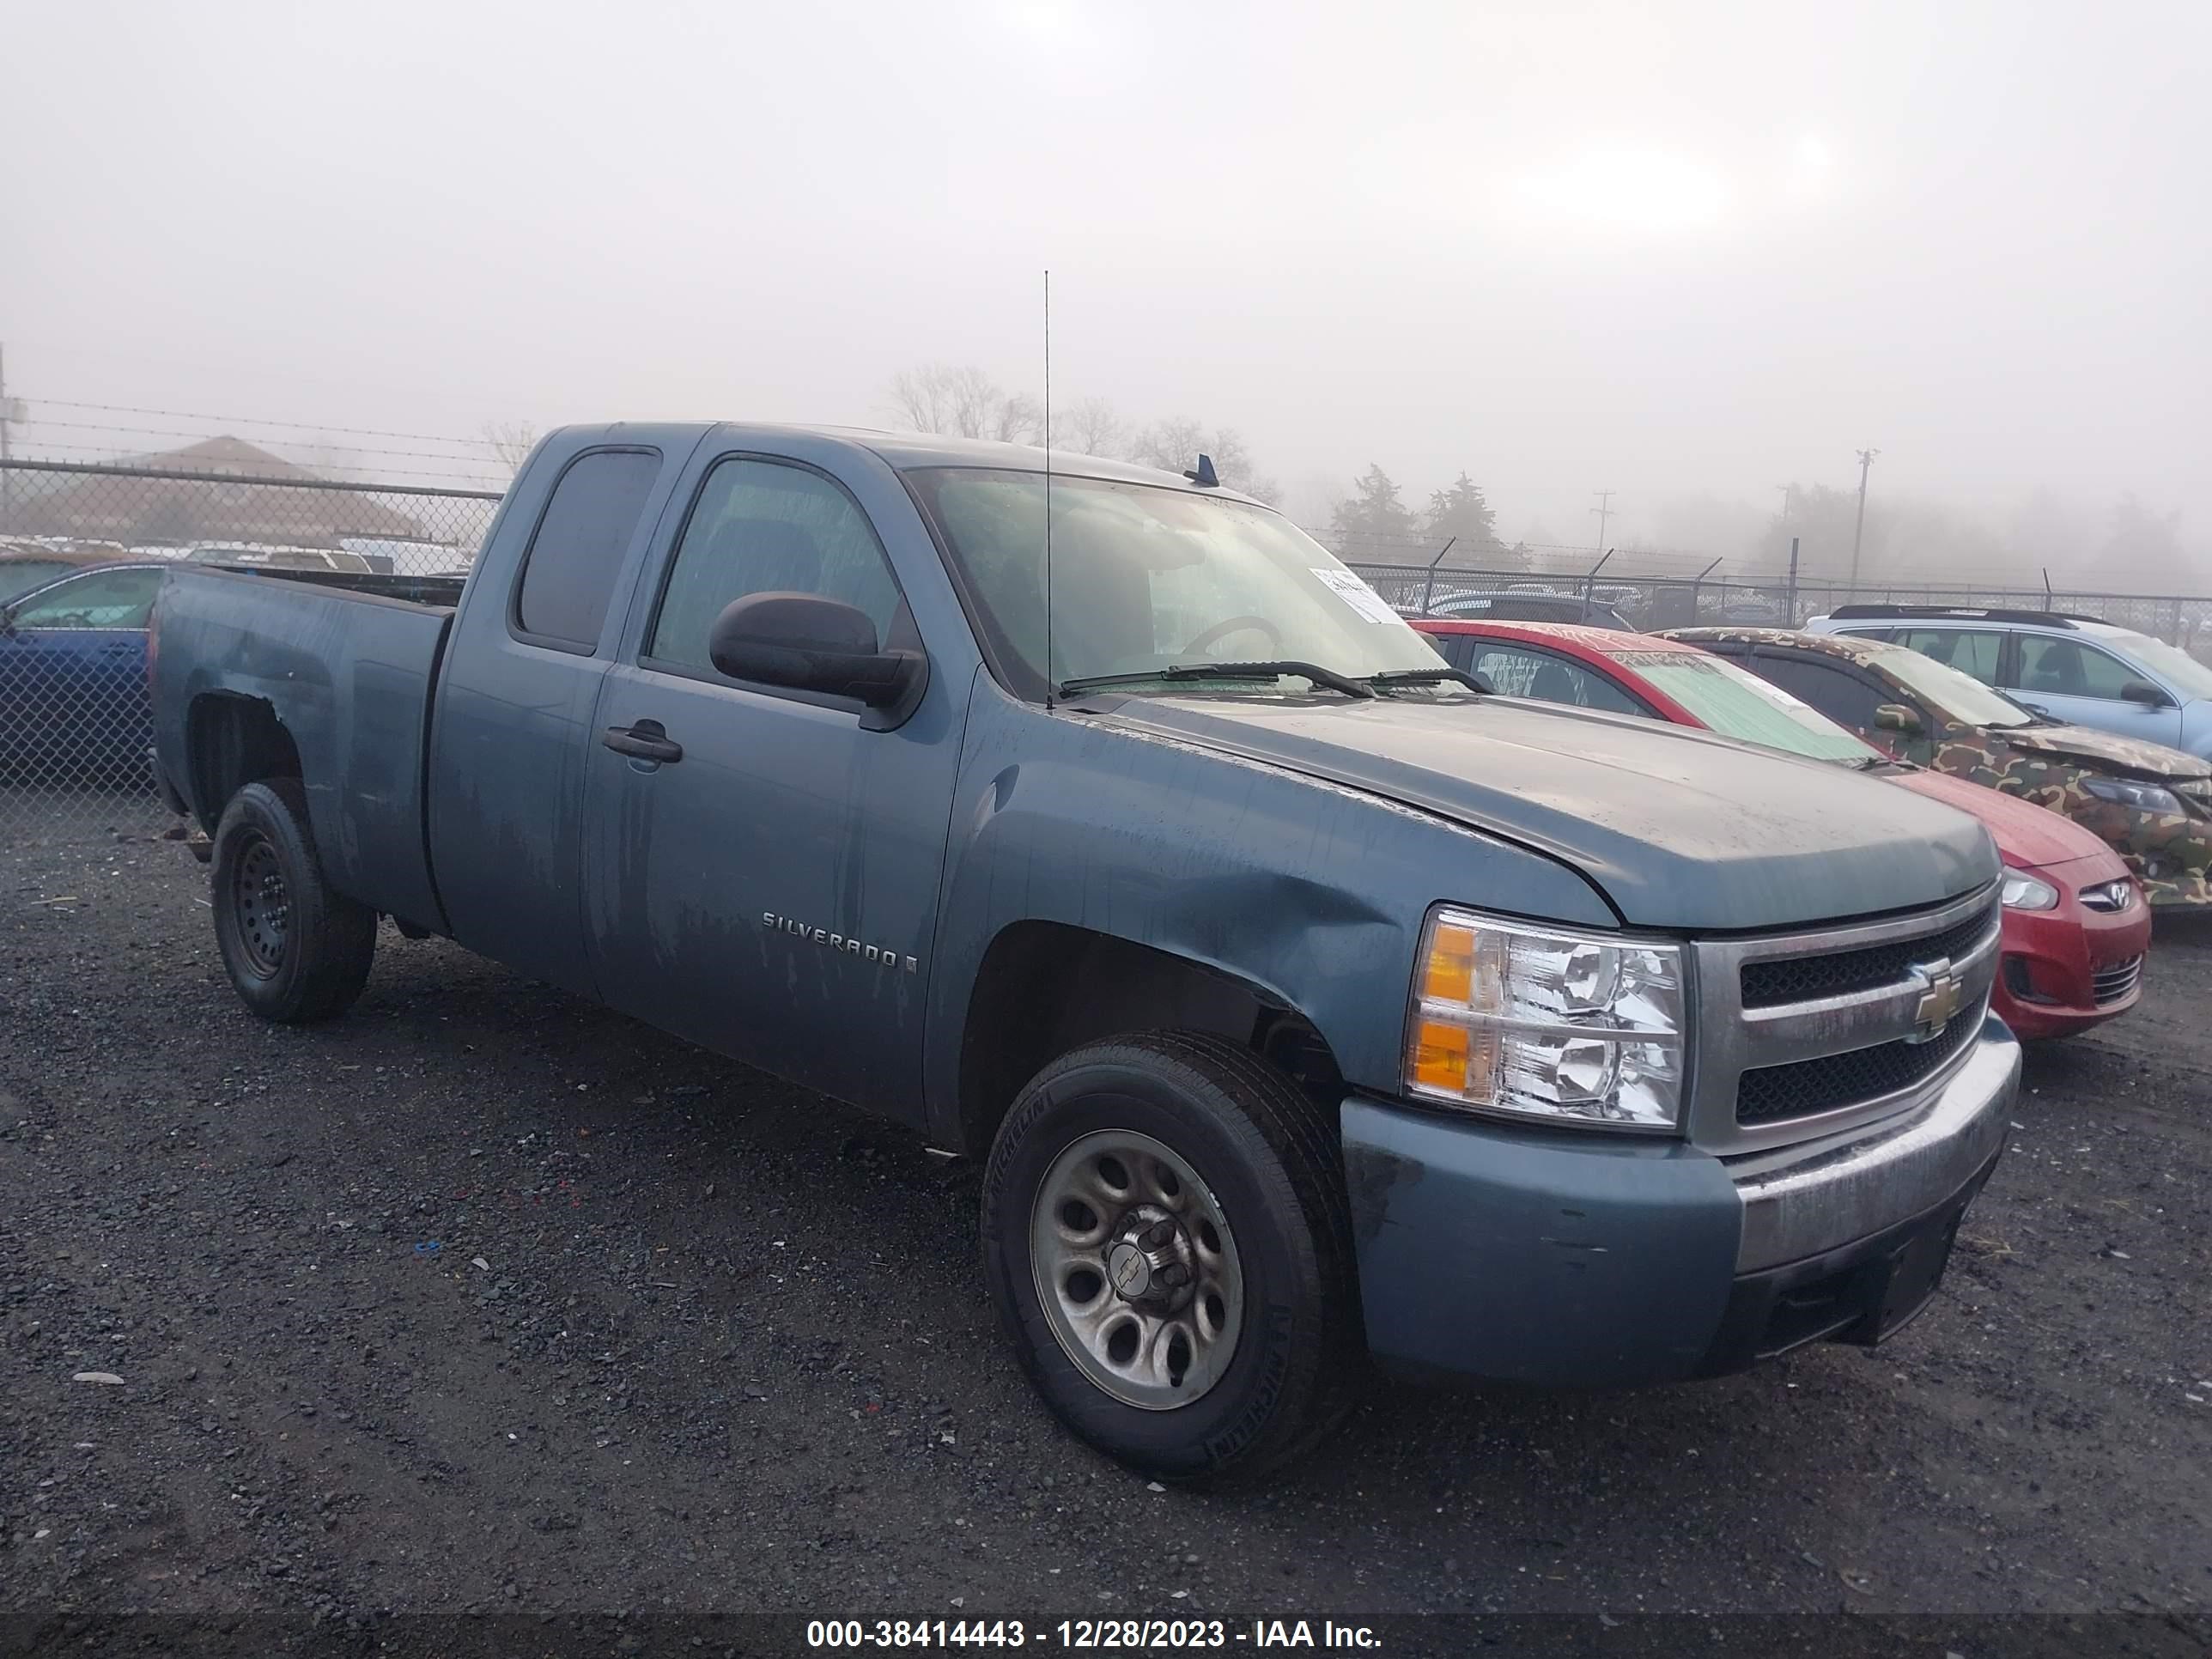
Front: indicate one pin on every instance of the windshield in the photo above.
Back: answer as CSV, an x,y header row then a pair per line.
x,y
1145,578
2183,672
1951,694
1737,703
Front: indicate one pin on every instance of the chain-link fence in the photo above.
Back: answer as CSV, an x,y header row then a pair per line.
x,y
1648,601
83,547
82,552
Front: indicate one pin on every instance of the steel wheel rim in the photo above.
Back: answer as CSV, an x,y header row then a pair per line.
x,y
1107,1260
262,906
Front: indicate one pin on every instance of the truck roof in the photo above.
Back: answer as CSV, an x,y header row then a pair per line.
x,y
909,451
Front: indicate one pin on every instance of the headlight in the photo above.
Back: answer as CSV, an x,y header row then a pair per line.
x,y
2024,892
1575,1027
2146,797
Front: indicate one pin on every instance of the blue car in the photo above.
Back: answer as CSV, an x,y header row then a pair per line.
x,y
74,707
2075,670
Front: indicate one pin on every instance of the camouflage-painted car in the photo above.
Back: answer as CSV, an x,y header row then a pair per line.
x,y
2152,803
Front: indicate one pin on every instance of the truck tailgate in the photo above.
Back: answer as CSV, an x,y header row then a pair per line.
x,y
347,676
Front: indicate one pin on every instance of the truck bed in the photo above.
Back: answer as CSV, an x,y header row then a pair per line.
x,y
342,664
417,590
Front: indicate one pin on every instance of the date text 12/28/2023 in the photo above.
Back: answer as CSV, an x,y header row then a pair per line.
x,y
1086,1634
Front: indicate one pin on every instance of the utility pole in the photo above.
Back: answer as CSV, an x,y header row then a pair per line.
x,y
1604,511
1858,530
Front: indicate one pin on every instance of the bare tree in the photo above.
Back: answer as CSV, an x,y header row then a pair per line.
x,y
1093,427
1017,420
510,441
962,402
1175,446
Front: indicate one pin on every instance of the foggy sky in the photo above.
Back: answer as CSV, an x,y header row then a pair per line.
x,y
1669,251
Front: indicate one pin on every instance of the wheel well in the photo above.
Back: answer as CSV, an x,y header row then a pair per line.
x,y
230,742
1045,987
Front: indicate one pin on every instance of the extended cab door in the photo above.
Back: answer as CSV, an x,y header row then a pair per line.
x,y
762,871
511,719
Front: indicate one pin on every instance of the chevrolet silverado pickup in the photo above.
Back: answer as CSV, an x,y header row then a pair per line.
x,y
1309,1005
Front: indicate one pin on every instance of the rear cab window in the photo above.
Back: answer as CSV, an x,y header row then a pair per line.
x,y
576,554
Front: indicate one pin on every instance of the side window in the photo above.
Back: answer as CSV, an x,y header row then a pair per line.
x,y
1519,672
568,574
99,598
1841,694
2068,668
1457,649
1970,650
769,527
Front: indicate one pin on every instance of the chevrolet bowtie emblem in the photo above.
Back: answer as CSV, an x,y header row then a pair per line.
x,y
1940,1001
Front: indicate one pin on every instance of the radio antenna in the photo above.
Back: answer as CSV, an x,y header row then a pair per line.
x,y
1049,686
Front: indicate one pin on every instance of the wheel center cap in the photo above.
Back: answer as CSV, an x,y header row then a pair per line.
x,y
1131,1272
1150,1262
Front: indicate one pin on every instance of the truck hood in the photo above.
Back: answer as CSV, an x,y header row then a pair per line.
x,y
2104,751
1679,829
2027,834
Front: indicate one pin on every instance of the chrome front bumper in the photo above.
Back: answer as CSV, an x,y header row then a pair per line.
x,y
1560,1257
1806,1200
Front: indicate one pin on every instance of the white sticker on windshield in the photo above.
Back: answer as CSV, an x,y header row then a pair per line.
x,y
1357,594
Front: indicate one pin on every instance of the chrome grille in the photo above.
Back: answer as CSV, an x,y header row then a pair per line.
x,y
1808,1086
1835,973
2116,981
1808,1034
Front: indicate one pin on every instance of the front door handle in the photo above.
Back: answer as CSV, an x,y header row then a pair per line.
x,y
646,740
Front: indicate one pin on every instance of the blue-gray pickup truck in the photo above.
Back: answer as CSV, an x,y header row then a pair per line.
x,y
1309,1003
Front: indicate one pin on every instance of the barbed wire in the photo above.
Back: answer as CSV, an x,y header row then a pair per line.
x,y
36,426
494,474
254,420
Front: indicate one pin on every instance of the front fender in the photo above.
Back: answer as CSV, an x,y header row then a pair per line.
x,y
1308,892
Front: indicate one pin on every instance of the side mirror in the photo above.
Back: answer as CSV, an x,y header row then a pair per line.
x,y
1896,717
2144,692
808,642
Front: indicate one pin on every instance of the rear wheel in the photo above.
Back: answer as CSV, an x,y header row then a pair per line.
x,y
1166,1237
295,950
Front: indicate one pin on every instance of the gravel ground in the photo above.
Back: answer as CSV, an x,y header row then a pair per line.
x,y
482,1299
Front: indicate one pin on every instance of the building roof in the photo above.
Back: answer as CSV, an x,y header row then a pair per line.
x,y
227,499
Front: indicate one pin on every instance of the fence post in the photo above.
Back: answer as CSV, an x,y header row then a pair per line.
x,y
1429,589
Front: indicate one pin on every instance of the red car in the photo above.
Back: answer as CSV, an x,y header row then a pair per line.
x,y
2076,925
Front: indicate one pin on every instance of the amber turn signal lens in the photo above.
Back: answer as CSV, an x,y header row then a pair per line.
x,y
1440,1056
1449,976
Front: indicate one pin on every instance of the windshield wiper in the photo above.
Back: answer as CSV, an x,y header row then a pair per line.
x,y
1431,677
1224,671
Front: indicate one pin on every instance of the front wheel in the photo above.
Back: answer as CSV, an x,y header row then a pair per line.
x,y
295,950
1166,1237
